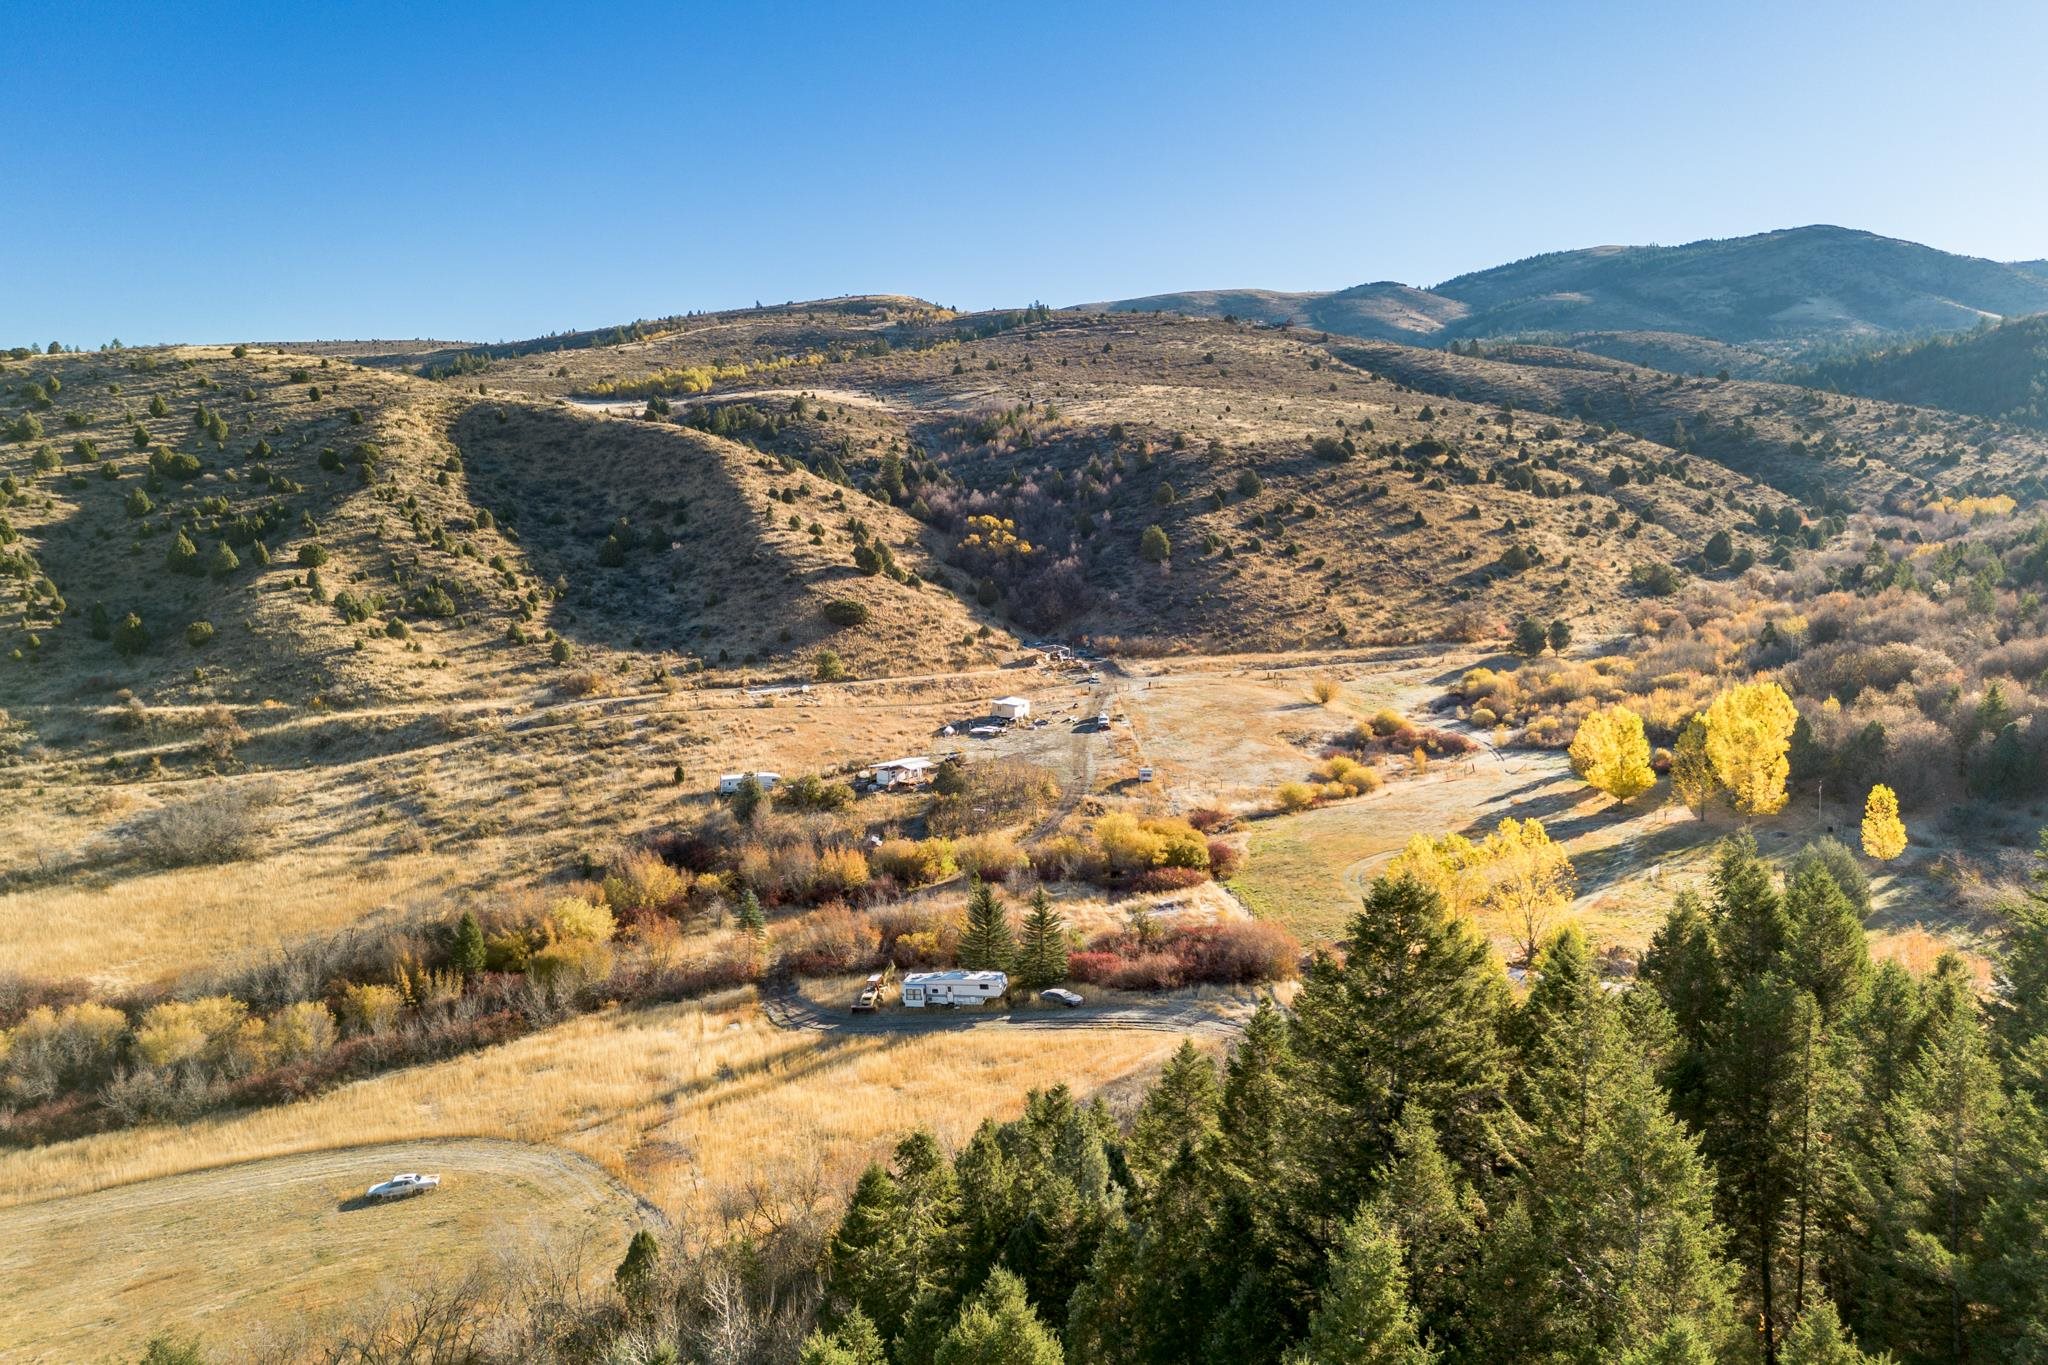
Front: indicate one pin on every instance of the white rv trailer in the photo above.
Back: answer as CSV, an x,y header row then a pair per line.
x,y
956,987
728,783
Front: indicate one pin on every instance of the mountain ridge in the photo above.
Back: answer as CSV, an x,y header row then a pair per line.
x,y
1778,295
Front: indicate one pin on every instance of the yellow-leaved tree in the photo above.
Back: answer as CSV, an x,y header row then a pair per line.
x,y
1749,730
1529,879
1517,874
1611,754
1884,834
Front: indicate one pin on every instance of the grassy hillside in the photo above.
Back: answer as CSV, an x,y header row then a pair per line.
x,y
1304,501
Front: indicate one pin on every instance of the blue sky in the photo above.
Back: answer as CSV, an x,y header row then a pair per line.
x,y
485,171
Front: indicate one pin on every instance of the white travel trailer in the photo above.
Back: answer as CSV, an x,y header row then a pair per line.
x,y
729,783
1011,708
956,987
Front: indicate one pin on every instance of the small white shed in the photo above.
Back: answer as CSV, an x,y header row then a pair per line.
x,y
898,772
1012,708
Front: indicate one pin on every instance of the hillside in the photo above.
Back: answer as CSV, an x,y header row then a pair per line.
x,y
1406,520
1999,372
1778,294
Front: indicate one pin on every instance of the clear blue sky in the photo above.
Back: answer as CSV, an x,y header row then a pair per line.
x,y
483,171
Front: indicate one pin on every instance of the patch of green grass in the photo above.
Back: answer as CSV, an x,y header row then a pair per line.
x,y
1293,873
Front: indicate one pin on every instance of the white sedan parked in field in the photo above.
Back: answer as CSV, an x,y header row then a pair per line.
x,y
404,1186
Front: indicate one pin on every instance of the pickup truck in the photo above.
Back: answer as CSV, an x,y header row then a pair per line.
x,y
404,1186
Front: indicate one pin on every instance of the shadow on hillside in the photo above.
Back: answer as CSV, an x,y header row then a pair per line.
x,y
687,570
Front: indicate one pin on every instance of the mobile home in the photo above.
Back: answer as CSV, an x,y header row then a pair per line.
x,y
729,783
1012,708
956,987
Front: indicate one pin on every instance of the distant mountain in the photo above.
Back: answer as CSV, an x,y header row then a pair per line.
x,y
1778,295
1999,372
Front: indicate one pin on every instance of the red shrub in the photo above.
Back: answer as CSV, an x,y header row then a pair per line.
x,y
831,942
1233,953
1167,879
1208,818
1223,859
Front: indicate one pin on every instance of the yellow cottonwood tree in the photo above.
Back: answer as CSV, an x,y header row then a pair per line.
x,y
1884,834
1529,879
1749,730
1611,754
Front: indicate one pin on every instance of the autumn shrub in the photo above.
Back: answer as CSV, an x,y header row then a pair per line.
x,y
991,857
915,862
1154,879
1229,953
224,823
832,941
1223,859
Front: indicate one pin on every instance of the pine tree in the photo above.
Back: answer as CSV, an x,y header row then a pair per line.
x,y
1042,958
1819,1339
1617,1238
1611,754
466,954
999,1327
1409,1016
854,1342
1952,1172
1364,1317
1179,1111
224,560
1421,1202
1680,1343
636,1270
1825,949
986,944
1683,966
753,921
1884,834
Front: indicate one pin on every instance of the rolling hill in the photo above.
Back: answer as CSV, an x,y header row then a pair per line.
x,y
1999,372
1773,295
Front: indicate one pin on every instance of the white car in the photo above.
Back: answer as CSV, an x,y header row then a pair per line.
x,y
404,1186
1059,995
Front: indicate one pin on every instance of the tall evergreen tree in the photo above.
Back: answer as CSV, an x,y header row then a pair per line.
x,y
467,953
1953,1171
1411,1014
1616,1236
986,944
1042,956
1683,965
1422,1201
1825,949
1818,1338
999,1327
1180,1111
1364,1318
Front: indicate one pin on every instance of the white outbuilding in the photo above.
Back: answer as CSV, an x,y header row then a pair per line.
x,y
904,772
1011,708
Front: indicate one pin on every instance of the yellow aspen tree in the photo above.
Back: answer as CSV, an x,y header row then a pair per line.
x,y
1611,754
1749,730
1529,879
1884,834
